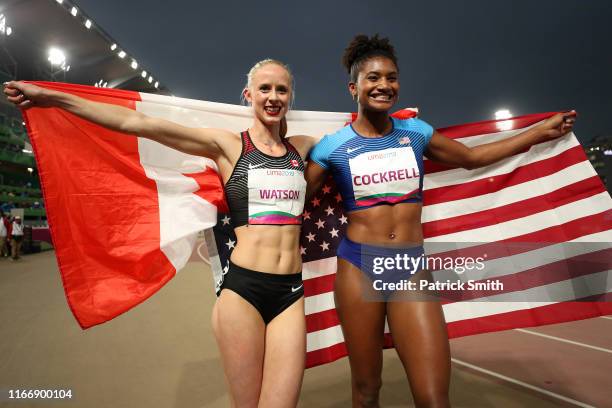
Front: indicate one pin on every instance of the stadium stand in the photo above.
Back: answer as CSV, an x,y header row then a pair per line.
x,y
66,46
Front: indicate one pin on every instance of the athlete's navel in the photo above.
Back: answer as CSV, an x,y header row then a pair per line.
x,y
392,235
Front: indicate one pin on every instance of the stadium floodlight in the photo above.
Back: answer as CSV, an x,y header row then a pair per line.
x,y
60,1
9,31
150,79
143,74
503,114
113,47
56,56
122,54
30,169
68,68
2,24
88,24
74,11
134,64
156,84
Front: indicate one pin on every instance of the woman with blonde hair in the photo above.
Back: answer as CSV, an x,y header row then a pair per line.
x,y
258,318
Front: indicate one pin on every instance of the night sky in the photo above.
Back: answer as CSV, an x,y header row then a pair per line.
x,y
460,61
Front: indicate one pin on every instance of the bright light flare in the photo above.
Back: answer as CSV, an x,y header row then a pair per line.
x,y
504,124
503,114
122,54
74,11
56,56
88,24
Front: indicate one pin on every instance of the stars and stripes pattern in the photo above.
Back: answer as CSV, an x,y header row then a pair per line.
x,y
523,212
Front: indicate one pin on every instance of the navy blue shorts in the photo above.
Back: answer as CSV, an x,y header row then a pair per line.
x,y
383,266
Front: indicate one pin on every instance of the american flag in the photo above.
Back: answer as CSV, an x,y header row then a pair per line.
x,y
523,212
540,201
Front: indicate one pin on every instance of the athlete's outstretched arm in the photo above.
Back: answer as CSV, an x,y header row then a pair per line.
x,y
449,151
203,142
315,176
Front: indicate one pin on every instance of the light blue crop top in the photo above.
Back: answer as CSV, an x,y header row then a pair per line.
x,y
374,171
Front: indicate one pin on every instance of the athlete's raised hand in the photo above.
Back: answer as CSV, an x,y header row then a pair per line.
x,y
558,125
27,95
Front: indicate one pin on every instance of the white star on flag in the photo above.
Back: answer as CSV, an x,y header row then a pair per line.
x,y
231,243
226,220
320,224
311,237
306,215
315,202
324,246
343,219
302,250
338,198
329,210
326,189
334,232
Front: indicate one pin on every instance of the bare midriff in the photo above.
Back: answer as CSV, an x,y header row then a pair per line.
x,y
387,224
268,248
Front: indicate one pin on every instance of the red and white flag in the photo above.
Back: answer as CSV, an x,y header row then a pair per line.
x,y
125,211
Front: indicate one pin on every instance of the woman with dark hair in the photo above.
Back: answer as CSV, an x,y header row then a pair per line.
x,y
377,163
258,318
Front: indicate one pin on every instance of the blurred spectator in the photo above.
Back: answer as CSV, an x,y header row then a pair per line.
x,y
16,237
7,207
4,228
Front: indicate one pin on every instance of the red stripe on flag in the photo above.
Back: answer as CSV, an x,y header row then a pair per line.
x,y
537,316
318,285
567,194
108,191
493,126
522,174
554,272
321,320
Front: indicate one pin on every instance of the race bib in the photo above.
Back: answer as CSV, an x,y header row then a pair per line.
x,y
276,196
389,175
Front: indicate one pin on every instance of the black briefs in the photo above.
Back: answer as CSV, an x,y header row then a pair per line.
x,y
269,293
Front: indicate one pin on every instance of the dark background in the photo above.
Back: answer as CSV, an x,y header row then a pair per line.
x,y
459,61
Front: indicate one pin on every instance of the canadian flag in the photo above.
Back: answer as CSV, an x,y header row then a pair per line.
x,y
125,211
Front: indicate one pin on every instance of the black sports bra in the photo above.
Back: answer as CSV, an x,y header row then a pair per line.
x,y
266,190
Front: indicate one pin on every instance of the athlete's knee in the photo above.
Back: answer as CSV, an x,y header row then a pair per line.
x,y
431,399
367,391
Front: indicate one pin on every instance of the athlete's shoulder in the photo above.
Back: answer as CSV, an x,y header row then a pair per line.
x,y
328,144
415,125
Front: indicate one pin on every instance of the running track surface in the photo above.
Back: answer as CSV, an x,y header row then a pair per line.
x,y
162,354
